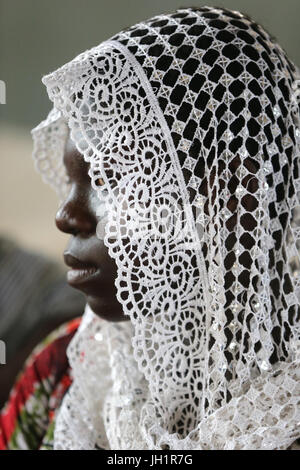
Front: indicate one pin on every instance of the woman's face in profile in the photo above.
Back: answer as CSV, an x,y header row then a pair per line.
x,y
92,270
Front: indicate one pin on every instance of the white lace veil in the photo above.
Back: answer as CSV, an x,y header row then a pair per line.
x,y
192,121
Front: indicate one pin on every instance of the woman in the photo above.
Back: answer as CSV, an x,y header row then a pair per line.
x,y
187,128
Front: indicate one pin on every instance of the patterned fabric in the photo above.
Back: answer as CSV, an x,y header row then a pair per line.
x,y
192,121
28,418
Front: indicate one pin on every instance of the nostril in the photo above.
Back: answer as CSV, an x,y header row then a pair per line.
x,y
63,221
74,220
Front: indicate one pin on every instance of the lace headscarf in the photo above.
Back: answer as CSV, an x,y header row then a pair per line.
x,y
192,121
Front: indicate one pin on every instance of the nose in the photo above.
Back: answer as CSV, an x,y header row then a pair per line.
x,y
75,219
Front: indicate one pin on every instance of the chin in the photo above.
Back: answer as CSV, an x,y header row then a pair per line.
x,y
110,311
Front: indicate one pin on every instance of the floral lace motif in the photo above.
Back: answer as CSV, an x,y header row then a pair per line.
x,y
194,129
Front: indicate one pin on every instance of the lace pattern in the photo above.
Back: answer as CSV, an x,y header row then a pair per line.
x,y
49,139
192,121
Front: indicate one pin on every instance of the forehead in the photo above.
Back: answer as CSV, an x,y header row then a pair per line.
x,y
73,159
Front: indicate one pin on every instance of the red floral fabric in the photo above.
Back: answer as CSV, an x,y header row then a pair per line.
x,y
27,419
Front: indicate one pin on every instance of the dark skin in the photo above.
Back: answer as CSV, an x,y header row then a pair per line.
x,y
92,271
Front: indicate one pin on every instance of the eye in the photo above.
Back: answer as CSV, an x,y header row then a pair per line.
x,y
100,182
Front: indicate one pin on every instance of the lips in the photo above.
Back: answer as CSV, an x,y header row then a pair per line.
x,y
81,272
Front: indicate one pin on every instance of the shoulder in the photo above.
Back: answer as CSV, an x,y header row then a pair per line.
x,y
54,345
25,417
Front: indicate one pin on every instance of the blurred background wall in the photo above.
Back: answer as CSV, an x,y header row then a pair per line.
x,y
36,37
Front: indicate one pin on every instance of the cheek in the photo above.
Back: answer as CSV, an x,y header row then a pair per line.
x,y
99,211
94,201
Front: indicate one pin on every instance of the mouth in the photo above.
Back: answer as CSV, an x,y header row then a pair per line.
x,y
80,272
